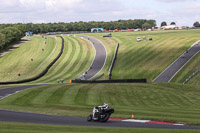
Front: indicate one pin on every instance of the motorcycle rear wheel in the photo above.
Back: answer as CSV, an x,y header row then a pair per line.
x,y
105,118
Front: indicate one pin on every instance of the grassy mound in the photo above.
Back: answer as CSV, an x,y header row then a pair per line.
x,y
164,102
29,59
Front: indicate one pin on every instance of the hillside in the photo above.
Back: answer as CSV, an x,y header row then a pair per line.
x,y
147,59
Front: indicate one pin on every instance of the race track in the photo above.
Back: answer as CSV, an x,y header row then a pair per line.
x,y
177,65
12,90
96,66
99,59
12,116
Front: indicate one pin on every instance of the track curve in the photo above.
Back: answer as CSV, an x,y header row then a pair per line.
x,y
99,59
12,116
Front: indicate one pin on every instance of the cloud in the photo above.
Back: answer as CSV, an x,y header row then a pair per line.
x,y
38,11
170,1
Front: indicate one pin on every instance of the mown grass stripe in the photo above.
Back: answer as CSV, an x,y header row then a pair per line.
x,y
76,62
43,96
66,68
27,98
57,68
56,96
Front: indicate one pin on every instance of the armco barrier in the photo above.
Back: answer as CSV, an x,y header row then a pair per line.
x,y
112,81
191,76
113,62
41,74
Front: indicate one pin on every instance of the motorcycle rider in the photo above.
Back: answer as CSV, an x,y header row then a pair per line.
x,y
104,106
98,110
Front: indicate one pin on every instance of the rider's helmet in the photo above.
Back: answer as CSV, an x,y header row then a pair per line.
x,y
105,105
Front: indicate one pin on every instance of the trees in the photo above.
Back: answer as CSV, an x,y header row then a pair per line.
x,y
152,23
81,26
163,24
8,35
196,24
173,23
2,41
146,26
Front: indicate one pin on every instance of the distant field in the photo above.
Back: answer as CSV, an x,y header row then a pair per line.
x,y
164,102
19,61
75,60
147,59
7,127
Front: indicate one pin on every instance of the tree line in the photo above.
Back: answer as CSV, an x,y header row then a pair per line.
x,y
10,33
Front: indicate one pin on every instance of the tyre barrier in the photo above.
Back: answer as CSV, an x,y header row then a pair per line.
x,y
113,62
111,81
42,73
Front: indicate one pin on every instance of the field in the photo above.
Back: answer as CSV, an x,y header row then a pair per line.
x,y
171,102
147,59
164,102
29,59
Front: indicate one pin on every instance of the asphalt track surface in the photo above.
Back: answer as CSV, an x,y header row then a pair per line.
x,y
177,65
99,59
12,90
12,116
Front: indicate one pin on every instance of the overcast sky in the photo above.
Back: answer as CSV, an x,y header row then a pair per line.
x,y
183,12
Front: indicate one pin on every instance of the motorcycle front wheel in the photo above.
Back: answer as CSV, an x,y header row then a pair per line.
x,y
89,118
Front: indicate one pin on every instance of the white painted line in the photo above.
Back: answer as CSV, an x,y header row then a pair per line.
x,y
133,120
7,95
178,124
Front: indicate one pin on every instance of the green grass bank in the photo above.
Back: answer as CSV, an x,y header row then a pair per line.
x,y
164,102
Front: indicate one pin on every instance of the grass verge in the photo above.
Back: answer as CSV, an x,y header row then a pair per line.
x,y
11,127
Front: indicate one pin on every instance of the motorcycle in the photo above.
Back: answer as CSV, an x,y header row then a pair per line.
x,y
100,114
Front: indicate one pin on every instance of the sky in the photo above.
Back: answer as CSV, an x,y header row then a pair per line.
x,y
183,12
